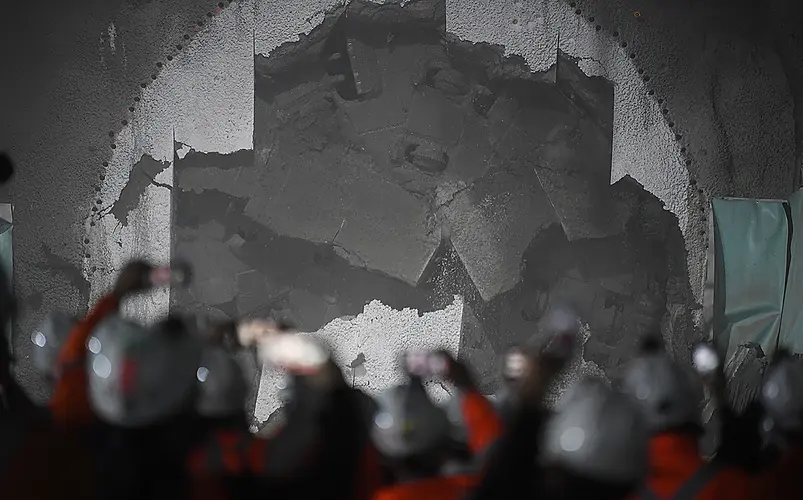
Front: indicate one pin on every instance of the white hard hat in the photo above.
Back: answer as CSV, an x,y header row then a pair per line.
x,y
138,375
222,388
48,339
782,394
407,423
597,433
663,391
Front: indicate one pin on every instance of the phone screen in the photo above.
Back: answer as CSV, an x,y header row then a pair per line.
x,y
705,359
417,363
514,366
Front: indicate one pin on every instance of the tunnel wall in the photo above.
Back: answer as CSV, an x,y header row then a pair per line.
x,y
136,79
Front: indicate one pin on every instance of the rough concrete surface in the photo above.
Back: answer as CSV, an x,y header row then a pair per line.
x,y
432,137
396,163
380,333
728,76
72,69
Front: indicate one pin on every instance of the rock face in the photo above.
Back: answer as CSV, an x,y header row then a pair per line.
x,y
392,162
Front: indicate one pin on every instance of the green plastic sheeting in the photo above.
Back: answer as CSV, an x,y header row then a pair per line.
x,y
751,242
791,334
7,256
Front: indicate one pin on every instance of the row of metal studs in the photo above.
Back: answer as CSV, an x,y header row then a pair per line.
x,y
132,107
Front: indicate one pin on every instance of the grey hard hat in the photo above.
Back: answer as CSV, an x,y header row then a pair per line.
x,y
782,394
222,388
596,433
141,375
407,423
48,339
663,390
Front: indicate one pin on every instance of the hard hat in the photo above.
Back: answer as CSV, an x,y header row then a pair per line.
x,y
47,340
663,391
407,423
222,388
141,375
596,433
782,394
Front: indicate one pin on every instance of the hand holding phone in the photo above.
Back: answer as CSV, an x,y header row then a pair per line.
x,y
515,365
293,352
426,364
178,274
705,359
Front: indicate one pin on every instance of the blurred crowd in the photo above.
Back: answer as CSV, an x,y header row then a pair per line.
x,y
158,411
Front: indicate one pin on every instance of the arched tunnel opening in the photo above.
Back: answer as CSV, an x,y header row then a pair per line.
x,y
395,162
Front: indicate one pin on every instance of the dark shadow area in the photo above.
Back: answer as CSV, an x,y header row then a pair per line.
x,y
394,162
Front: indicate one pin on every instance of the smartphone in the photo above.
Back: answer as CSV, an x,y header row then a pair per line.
x,y
293,352
426,364
705,359
176,275
514,365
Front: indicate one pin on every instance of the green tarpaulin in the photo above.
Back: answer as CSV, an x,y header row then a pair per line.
x,y
750,256
6,247
791,334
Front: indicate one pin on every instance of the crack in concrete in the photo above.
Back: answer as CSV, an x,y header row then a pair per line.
x,y
141,176
162,185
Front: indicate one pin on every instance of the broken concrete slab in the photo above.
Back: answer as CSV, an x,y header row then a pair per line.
x,y
227,161
398,68
426,155
492,223
594,95
433,115
501,116
519,314
578,295
375,223
365,14
576,176
469,159
239,182
216,269
482,98
364,68
253,291
478,352
745,373
452,83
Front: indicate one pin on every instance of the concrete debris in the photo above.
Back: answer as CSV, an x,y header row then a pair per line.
x,y
574,169
470,158
215,266
433,115
396,163
478,352
451,82
745,373
482,100
428,156
492,223
594,95
364,69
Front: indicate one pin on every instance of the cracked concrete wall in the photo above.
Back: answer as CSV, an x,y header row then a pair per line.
x,y
393,161
200,98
